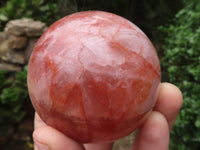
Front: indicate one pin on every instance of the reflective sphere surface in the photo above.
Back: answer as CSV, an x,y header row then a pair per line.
x,y
94,76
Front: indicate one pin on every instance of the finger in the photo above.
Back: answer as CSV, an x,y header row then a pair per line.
x,y
98,146
153,134
38,122
48,138
169,102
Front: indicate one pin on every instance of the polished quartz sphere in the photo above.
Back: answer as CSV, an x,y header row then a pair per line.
x,y
94,76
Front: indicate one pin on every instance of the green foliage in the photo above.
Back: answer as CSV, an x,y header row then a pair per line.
x,y
181,63
13,93
44,10
3,80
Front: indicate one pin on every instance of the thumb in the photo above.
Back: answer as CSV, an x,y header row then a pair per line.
x,y
48,138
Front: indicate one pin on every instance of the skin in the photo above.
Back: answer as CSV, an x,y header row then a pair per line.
x,y
153,134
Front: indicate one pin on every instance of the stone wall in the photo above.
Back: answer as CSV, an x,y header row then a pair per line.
x,y
17,42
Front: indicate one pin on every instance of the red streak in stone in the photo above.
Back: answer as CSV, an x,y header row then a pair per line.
x,y
132,52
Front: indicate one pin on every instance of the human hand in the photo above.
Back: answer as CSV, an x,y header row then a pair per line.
x,y
153,134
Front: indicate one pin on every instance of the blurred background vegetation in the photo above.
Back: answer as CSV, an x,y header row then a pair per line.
x,y
173,27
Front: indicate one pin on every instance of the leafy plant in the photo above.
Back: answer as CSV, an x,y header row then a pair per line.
x,y
3,79
181,66
13,93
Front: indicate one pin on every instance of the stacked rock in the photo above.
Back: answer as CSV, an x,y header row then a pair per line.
x,y
17,42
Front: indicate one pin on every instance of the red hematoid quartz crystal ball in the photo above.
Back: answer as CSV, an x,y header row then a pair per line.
x,y
94,76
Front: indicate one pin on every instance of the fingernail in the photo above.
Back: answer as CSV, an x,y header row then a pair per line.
x,y
41,146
